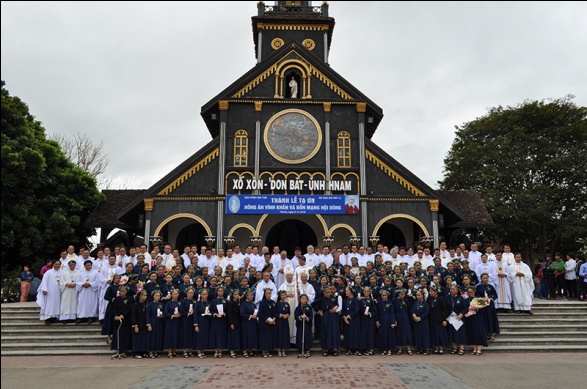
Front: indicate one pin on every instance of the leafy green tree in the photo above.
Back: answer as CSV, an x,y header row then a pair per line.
x,y
45,198
529,165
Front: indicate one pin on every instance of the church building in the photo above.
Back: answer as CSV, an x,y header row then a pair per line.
x,y
291,160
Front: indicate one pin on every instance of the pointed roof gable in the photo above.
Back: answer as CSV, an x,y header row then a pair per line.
x,y
240,90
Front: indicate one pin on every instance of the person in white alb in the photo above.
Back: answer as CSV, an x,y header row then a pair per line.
x,y
230,259
265,283
282,266
325,257
504,294
521,280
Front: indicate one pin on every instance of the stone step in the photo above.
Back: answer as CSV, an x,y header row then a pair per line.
x,y
542,314
53,338
23,311
33,352
80,330
547,328
508,334
56,345
541,321
534,348
539,341
40,323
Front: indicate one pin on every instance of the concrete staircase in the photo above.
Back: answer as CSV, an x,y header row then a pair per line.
x,y
556,326
24,334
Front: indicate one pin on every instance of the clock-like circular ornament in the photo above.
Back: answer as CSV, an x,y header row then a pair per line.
x,y
293,136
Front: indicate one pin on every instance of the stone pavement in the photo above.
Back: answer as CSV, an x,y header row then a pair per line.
x,y
519,370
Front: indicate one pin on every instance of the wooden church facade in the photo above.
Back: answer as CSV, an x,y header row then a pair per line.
x,y
291,148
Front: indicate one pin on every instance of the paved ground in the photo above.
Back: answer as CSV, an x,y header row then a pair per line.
x,y
495,370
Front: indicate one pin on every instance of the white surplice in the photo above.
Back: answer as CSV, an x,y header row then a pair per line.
x,y
50,303
87,305
522,287
68,295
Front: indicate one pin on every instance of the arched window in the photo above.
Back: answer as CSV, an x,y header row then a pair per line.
x,y
241,148
343,150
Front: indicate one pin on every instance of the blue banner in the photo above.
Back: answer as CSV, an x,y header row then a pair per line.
x,y
292,204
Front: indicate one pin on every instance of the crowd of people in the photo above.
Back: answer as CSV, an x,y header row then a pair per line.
x,y
350,298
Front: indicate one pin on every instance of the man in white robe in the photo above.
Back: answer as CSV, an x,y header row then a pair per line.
x,y
504,293
230,259
49,294
304,287
489,268
301,268
69,293
290,287
520,277
262,285
100,261
282,266
325,257
311,257
474,256
507,255
88,282
106,276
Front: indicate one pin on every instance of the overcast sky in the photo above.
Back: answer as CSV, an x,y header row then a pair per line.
x,y
135,75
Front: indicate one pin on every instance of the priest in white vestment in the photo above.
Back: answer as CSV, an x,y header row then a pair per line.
x,y
503,289
69,293
522,283
301,268
49,294
487,267
88,282
282,266
292,297
106,276
265,283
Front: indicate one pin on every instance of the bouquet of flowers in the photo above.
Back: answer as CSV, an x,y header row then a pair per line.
x,y
479,303
123,280
140,286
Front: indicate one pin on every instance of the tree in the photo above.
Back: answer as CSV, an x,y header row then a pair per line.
x,y
528,164
45,197
87,155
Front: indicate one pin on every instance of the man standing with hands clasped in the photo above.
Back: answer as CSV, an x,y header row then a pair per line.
x,y
520,277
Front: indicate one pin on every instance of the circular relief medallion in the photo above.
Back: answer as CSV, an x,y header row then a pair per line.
x,y
277,43
293,136
309,44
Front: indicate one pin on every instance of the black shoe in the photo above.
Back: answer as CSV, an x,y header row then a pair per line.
x,y
78,321
529,312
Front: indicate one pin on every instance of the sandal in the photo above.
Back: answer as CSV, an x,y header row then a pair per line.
x,y
399,352
324,353
170,355
461,352
409,352
492,338
201,355
335,354
440,352
478,353
185,354
453,351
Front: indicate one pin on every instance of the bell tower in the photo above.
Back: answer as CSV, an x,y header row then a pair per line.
x,y
292,22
